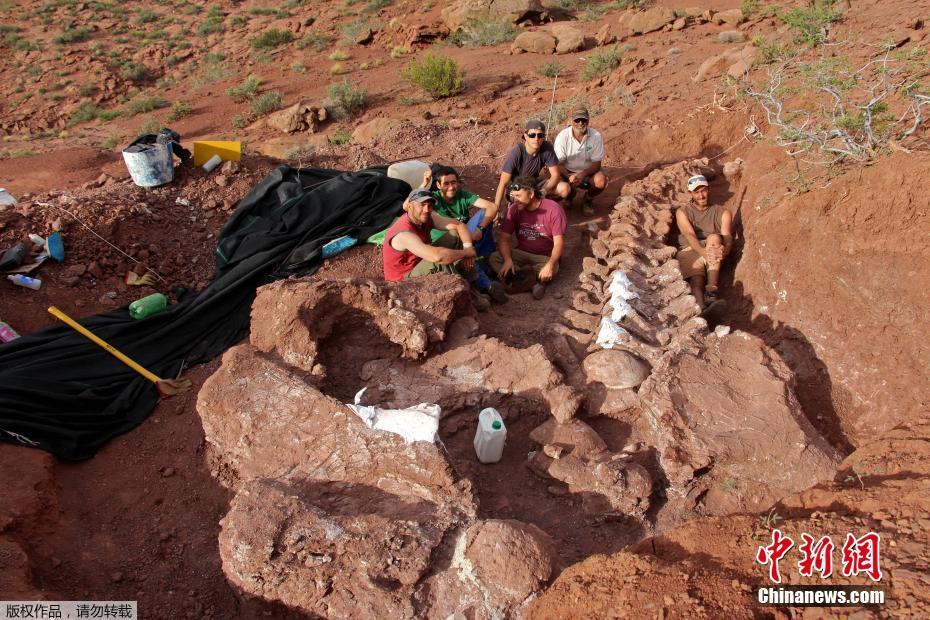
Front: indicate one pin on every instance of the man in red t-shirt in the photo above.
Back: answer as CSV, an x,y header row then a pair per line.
x,y
539,225
407,251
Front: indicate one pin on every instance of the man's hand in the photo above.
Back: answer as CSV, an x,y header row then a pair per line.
x,y
467,263
506,268
713,254
476,236
427,178
546,273
575,179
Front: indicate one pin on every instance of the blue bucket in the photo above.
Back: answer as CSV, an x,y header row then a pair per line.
x,y
149,165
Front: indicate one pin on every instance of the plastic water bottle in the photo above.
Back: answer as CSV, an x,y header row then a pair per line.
x,y
141,308
7,333
20,280
338,245
212,163
490,436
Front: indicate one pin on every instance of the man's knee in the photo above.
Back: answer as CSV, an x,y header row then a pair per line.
x,y
563,189
599,180
713,240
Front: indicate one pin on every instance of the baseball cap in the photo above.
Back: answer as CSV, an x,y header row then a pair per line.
x,y
421,195
534,124
697,181
580,113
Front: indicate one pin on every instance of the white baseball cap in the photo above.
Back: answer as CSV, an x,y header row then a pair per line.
x,y
697,181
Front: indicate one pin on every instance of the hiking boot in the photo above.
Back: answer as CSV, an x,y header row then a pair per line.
x,y
539,289
714,311
481,302
497,292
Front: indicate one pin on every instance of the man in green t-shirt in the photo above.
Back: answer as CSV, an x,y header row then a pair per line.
x,y
455,202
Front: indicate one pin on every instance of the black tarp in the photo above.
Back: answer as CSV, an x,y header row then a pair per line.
x,y
62,393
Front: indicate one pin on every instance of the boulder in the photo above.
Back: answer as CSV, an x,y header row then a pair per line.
x,y
366,133
510,560
569,39
458,14
300,117
732,17
615,368
574,436
536,42
650,20
604,36
726,411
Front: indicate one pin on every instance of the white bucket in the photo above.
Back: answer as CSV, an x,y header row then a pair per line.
x,y
410,171
151,166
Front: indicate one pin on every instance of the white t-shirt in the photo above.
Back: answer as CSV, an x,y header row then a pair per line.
x,y
576,156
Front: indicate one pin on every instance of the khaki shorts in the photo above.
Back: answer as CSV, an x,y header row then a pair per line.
x,y
691,263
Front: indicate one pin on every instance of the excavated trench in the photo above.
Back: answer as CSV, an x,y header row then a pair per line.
x,y
631,418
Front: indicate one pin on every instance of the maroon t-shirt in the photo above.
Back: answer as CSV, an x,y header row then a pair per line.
x,y
535,229
398,264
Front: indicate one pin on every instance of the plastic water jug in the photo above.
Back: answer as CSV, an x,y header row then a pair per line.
x,y
490,436
141,308
410,171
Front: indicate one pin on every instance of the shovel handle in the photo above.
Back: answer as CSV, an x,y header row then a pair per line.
x,y
103,344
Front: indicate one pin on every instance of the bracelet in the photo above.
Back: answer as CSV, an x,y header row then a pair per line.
x,y
468,245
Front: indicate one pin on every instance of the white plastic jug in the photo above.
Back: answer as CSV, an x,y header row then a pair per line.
x,y
151,166
490,436
410,171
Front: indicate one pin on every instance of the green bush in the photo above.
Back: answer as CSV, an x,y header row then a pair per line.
x,y
245,91
344,99
145,104
146,16
109,115
484,32
373,6
179,109
550,69
112,141
85,112
353,30
810,24
73,35
340,137
272,38
266,103
440,76
601,62
150,125
315,41
135,73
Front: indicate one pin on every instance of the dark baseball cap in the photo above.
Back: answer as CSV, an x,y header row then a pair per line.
x,y
421,195
580,113
534,124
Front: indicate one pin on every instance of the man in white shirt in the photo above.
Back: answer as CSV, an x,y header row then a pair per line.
x,y
580,151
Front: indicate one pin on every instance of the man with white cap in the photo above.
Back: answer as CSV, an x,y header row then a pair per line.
x,y
705,239
580,150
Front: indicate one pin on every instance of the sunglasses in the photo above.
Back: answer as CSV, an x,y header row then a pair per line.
x,y
516,187
535,135
581,121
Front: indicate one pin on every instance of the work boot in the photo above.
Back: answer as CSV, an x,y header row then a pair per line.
x,y
539,289
481,302
497,292
481,280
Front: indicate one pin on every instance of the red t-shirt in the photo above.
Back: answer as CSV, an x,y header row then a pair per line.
x,y
398,264
535,229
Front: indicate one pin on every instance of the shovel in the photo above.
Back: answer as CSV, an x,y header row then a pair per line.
x,y
166,387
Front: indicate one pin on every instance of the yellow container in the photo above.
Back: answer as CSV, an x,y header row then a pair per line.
x,y
227,150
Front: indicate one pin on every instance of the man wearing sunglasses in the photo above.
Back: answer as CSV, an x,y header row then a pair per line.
x,y
528,159
539,225
580,150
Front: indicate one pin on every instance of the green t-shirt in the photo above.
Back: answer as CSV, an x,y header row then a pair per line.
x,y
458,208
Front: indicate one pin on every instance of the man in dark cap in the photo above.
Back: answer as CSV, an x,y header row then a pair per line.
x,y
527,159
580,150
408,251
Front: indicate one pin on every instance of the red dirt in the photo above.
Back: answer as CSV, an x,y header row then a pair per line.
x,y
833,279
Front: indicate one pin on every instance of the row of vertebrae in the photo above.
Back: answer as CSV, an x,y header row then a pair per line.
x,y
631,293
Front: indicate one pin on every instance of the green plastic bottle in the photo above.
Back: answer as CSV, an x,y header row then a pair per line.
x,y
141,308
